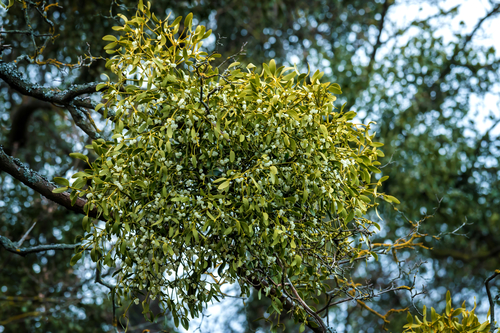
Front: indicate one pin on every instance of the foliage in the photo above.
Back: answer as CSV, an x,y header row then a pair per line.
x,y
248,175
447,322
418,86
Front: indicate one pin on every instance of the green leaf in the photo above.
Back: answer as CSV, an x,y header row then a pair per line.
x,y
293,114
376,144
61,181
79,183
290,76
224,185
297,260
335,89
350,216
79,156
272,66
390,198
188,21
59,189
99,106
109,38
364,198
110,46
323,129
86,223
75,258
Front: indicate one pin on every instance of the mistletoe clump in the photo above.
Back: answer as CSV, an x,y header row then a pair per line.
x,y
221,174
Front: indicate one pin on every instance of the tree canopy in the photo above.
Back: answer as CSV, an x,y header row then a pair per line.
x,y
460,169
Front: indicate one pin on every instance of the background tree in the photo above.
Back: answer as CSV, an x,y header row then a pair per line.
x,y
415,85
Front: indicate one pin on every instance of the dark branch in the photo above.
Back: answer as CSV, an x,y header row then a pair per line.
x,y
12,247
490,299
380,29
459,47
42,185
288,304
20,118
68,98
99,280
10,74
81,118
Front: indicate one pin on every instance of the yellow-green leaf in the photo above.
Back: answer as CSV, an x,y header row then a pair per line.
x,y
223,185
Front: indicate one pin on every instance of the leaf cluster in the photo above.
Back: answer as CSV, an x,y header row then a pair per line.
x,y
448,322
222,175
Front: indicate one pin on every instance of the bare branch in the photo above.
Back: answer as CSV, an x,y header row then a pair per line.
x,y
490,299
10,74
68,98
82,120
42,185
14,248
21,241
112,290
380,29
313,314
288,304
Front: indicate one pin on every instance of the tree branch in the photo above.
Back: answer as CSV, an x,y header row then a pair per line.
x,y
288,304
380,28
10,74
68,98
21,241
82,120
490,299
453,59
12,247
20,118
42,185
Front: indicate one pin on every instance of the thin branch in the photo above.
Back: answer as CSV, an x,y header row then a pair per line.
x,y
41,299
313,314
112,290
42,185
24,32
82,120
380,29
459,48
288,304
490,299
355,298
21,241
10,246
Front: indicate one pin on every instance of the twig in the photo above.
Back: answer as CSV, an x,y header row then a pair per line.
x,y
313,314
112,290
21,241
490,299
82,121
380,29
40,184
241,51
12,247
